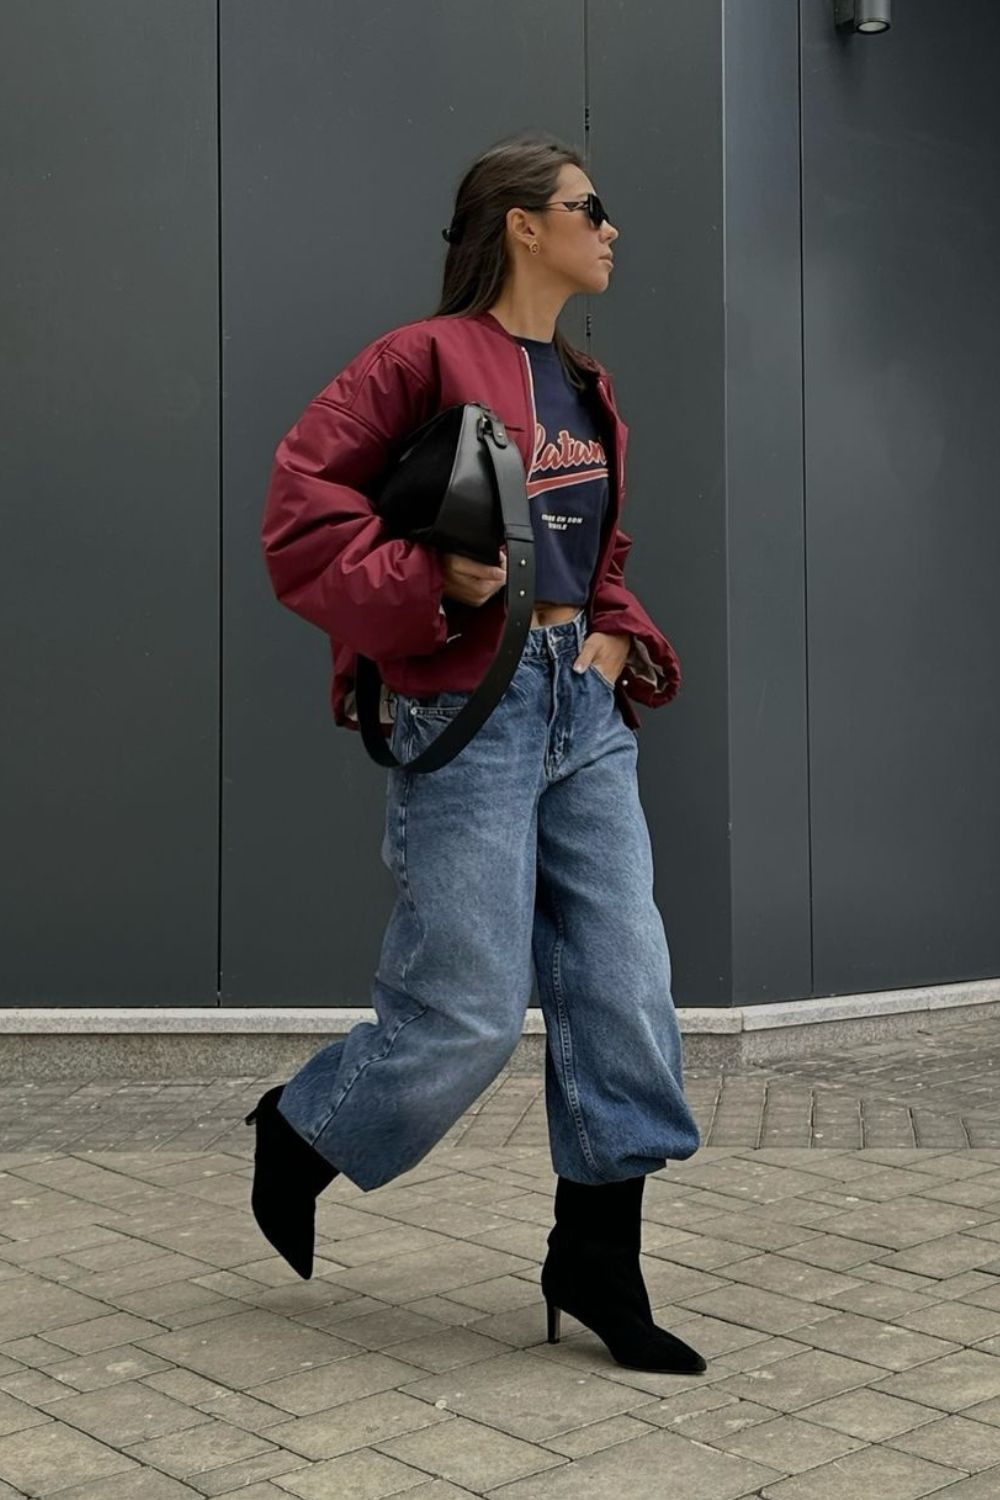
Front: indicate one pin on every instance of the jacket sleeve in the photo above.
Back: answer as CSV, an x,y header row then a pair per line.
x,y
325,548
652,669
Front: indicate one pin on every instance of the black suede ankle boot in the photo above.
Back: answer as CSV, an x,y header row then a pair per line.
x,y
288,1176
592,1271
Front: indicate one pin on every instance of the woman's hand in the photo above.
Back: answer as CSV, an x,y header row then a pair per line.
x,y
470,582
608,653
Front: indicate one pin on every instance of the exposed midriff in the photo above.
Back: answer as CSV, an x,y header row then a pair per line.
x,y
552,614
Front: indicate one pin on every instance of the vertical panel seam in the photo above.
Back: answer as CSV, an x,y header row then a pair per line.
x,y
220,778
587,336
805,518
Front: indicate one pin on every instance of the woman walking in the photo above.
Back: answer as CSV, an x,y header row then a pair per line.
x,y
529,846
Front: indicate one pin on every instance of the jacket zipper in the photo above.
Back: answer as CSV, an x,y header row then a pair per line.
x,y
614,506
530,386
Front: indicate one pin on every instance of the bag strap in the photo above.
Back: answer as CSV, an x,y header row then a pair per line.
x,y
508,474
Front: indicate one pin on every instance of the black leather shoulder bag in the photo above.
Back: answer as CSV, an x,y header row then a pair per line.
x,y
459,485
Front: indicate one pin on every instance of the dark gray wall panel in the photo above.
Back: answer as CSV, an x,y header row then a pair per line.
x,y
110,475
345,130
764,675
656,156
902,327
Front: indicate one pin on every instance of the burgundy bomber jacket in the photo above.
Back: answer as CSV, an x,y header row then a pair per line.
x,y
329,561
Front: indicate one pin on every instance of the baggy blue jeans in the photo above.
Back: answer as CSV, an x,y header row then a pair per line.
x,y
529,846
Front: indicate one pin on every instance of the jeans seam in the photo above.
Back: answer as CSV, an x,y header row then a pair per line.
x,y
405,879
566,1040
406,787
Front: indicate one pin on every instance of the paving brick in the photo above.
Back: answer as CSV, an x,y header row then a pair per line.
x,y
362,1423
873,1299
363,1475
791,1276
799,1379
523,1395
768,1312
127,1414
471,1454
783,1443
984,1486
39,1461
884,1344
716,1425
208,1446
951,1383
954,1320
875,1471
638,1469
871,1415
593,1436
956,1441
134,1484
235,1478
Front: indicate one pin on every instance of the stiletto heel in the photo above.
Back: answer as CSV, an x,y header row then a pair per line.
x,y
554,1321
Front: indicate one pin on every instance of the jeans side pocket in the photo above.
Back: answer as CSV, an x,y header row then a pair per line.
x,y
600,676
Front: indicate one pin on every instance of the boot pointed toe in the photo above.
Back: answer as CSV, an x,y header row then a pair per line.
x,y
665,1353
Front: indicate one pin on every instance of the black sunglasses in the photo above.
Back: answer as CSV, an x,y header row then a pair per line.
x,y
593,205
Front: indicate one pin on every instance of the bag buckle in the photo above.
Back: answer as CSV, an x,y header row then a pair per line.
x,y
490,420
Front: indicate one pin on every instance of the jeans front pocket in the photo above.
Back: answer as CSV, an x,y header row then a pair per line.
x,y
592,667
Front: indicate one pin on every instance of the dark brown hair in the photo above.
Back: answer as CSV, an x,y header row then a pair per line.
x,y
519,172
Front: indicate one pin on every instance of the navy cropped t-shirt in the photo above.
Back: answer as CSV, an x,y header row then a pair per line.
x,y
567,482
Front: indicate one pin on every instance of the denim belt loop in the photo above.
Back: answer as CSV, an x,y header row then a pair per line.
x,y
553,634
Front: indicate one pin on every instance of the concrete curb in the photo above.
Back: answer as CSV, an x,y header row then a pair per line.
x,y
256,1041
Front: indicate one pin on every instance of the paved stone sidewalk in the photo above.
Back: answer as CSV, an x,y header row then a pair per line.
x,y
153,1347
938,1088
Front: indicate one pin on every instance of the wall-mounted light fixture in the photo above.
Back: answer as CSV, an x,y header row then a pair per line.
x,y
869,16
